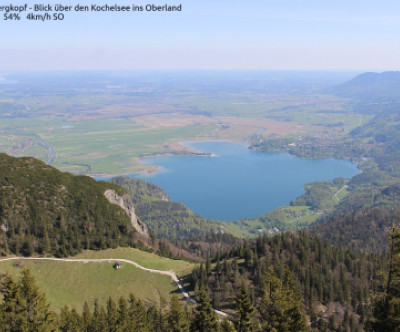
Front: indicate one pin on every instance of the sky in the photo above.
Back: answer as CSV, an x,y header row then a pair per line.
x,y
209,34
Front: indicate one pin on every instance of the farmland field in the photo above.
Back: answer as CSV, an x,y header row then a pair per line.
x,y
102,124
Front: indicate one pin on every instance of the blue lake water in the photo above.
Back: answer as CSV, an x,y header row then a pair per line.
x,y
240,183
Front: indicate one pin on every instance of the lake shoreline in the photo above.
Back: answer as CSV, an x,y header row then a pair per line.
x,y
250,182
194,153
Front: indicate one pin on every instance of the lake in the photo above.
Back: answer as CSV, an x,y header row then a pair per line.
x,y
239,183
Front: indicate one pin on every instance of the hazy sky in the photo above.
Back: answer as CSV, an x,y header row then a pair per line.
x,y
211,34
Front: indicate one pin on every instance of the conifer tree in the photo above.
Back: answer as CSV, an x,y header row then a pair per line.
x,y
137,315
13,306
280,307
17,245
36,309
157,317
244,321
123,316
69,320
103,320
177,319
208,265
5,245
86,316
205,319
46,245
98,319
227,326
112,315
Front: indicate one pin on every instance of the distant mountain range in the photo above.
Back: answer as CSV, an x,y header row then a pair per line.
x,y
370,87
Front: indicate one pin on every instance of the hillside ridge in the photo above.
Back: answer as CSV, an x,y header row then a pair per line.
x,y
48,212
370,86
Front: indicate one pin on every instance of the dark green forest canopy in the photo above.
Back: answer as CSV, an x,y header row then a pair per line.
x,y
335,283
45,211
364,230
361,221
386,307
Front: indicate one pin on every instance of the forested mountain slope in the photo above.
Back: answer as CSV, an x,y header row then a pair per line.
x,y
364,230
334,283
370,87
45,211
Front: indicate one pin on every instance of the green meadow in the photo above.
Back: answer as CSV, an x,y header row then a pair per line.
x,y
146,259
72,283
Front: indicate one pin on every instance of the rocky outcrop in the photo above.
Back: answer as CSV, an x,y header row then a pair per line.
x,y
126,204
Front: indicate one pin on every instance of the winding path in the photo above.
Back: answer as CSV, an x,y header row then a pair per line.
x,y
336,193
171,274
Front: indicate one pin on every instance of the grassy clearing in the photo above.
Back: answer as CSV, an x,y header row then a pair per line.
x,y
70,283
146,259
242,231
342,192
283,218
